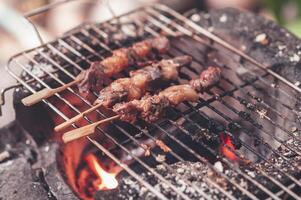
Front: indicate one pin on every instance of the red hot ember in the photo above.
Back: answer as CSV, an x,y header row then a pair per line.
x,y
227,147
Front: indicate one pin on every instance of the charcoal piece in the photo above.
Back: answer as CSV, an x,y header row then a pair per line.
x,y
13,138
17,181
30,172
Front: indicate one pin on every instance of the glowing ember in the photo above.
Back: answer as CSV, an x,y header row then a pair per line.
x,y
106,180
226,146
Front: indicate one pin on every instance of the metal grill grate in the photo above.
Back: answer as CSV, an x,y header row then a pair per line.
x,y
249,107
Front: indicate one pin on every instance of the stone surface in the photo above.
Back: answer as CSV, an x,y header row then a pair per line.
x,y
31,171
241,29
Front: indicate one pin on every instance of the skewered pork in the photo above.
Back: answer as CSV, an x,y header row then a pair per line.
x,y
93,79
152,108
141,81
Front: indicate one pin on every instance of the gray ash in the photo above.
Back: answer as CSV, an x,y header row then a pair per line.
x,y
197,174
290,164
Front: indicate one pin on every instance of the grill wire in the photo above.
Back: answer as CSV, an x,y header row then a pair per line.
x,y
218,99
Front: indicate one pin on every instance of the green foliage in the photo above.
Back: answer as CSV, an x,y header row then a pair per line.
x,y
277,6
295,27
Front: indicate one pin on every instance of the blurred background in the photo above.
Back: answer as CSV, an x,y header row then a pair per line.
x,y
16,34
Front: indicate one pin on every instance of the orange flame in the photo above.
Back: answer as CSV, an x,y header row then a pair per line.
x,y
106,180
226,146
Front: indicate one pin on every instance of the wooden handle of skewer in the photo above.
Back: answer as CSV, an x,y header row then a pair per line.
x,y
75,118
45,93
85,130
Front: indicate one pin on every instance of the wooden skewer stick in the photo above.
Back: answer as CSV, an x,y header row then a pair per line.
x,y
45,93
85,130
75,118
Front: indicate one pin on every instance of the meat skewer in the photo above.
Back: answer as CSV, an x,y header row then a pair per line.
x,y
93,79
152,108
140,81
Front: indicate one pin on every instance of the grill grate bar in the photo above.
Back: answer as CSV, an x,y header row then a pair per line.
x,y
240,88
230,120
162,130
282,192
87,47
261,156
173,153
268,106
196,153
64,57
136,158
45,85
292,178
192,34
124,132
181,194
74,51
165,163
257,125
252,121
129,170
147,185
59,68
223,159
212,151
223,43
151,170
274,99
262,141
202,159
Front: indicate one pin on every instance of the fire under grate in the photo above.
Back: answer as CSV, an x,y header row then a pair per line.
x,y
262,159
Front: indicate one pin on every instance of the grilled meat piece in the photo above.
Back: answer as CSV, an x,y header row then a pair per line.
x,y
120,90
179,93
152,108
207,78
92,79
165,70
149,108
120,60
141,81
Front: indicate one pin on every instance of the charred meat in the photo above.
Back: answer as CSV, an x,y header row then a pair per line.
x,y
211,75
141,81
93,79
152,108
